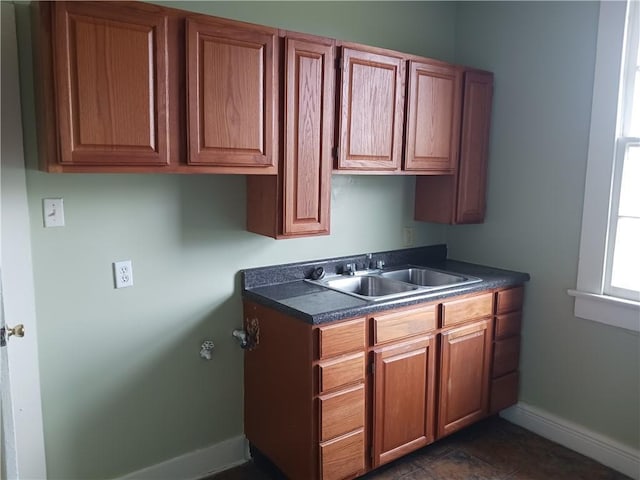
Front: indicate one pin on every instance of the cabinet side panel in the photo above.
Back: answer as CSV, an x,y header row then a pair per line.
x,y
262,205
435,198
279,408
474,148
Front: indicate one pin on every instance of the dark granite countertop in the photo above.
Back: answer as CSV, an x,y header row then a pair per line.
x,y
283,287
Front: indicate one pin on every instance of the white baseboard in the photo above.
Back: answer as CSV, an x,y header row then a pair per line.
x,y
593,445
197,464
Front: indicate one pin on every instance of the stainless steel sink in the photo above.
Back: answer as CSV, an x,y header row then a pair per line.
x,y
425,277
370,286
375,285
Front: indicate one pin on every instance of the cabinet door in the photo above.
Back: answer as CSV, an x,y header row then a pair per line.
x,y
111,84
474,147
404,382
371,115
309,87
433,118
464,376
231,82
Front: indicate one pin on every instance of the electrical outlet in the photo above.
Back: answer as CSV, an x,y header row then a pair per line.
x,y
408,234
123,274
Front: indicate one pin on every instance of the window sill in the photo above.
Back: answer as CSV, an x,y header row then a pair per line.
x,y
617,312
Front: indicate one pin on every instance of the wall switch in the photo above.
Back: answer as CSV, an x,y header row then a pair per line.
x,y
53,212
408,236
123,274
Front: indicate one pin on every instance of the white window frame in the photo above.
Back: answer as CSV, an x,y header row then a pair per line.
x,y
591,301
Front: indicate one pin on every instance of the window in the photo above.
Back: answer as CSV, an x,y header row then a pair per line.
x,y
608,287
622,277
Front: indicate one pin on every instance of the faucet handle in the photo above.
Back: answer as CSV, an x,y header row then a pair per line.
x,y
350,268
380,264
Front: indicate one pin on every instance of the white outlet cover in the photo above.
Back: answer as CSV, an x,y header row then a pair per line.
x,y
123,274
53,212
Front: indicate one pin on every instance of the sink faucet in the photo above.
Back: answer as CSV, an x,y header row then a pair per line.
x,y
350,269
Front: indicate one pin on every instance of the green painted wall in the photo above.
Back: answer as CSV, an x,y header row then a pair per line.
x,y
543,57
123,386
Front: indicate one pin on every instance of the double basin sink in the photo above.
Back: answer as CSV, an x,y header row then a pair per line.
x,y
385,284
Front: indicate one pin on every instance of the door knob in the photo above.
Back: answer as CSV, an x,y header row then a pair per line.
x,y
18,331
6,332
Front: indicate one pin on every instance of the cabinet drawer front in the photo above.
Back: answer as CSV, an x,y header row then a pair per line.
x,y
337,373
341,412
508,325
399,325
459,311
509,300
341,338
343,457
506,354
504,392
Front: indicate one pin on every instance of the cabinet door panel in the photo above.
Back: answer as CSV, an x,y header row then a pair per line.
x,y
464,376
340,372
504,392
341,412
433,118
509,300
465,309
474,147
343,457
309,136
506,356
341,338
112,85
403,398
371,111
398,325
232,94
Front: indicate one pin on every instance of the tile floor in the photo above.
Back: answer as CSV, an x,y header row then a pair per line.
x,y
493,449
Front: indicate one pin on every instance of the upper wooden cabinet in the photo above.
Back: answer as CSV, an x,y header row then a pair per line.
x,y
296,202
371,110
232,93
460,198
111,89
433,118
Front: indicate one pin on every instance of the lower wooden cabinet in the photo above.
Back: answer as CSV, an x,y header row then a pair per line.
x,y
334,401
403,398
464,376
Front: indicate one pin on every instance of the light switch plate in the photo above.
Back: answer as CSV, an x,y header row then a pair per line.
x,y
53,212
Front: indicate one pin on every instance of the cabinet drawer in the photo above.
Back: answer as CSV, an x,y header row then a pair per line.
x,y
340,372
397,325
459,311
506,354
341,412
508,325
504,392
341,338
342,457
509,300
